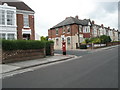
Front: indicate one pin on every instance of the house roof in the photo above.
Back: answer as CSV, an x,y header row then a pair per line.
x,y
72,20
20,5
96,25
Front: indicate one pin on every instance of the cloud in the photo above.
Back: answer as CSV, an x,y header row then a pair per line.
x,y
106,13
50,12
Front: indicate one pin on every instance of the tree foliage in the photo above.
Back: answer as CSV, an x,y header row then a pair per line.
x,y
105,39
102,39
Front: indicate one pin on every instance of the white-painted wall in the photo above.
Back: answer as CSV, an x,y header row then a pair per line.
x,y
8,29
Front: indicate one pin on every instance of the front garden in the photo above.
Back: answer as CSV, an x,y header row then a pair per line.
x,y
17,50
98,42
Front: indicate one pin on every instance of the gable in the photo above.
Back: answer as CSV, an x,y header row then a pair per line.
x,y
18,4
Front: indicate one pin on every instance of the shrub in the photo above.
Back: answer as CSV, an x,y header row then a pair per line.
x,y
87,40
48,47
83,46
22,44
105,39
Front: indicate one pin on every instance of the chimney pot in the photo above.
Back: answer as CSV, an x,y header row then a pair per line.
x,y
102,25
77,17
93,22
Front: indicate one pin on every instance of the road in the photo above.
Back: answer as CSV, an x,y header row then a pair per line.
x,y
73,52
95,70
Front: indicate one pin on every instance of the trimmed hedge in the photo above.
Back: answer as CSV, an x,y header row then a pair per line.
x,y
48,47
83,46
8,45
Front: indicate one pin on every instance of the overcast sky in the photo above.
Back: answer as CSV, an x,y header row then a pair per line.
x,y
50,12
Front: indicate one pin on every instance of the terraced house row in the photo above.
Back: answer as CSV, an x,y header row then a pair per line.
x,y
16,20
74,31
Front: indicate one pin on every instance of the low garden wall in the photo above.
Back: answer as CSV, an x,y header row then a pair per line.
x,y
20,50
22,55
95,46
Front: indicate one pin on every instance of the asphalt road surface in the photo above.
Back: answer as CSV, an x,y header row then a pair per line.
x,y
73,52
95,70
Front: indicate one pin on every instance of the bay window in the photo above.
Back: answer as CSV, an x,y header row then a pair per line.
x,y
2,18
10,37
2,36
10,18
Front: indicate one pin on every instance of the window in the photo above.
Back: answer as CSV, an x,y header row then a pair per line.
x,y
63,29
62,39
57,31
26,21
80,28
68,40
10,18
57,42
68,29
2,36
10,36
2,18
88,29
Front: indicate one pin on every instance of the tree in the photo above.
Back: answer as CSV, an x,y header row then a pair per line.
x,y
44,38
105,39
87,40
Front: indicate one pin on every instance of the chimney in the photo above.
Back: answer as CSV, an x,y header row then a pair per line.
x,y
66,18
102,25
93,22
0,3
113,29
77,17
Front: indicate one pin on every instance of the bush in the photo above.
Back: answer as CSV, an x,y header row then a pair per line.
x,y
105,39
22,44
48,48
83,46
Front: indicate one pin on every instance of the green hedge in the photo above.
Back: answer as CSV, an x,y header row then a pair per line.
x,y
83,46
48,44
22,44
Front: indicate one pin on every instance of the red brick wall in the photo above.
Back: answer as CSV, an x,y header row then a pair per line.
x,y
52,32
20,55
20,26
86,35
31,23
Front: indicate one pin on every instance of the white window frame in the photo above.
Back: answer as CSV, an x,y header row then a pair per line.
x,y
9,37
68,29
56,30
10,17
26,21
2,19
68,39
86,29
1,36
63,29
80,28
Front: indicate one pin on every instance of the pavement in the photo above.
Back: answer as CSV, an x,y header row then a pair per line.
x,y
10,67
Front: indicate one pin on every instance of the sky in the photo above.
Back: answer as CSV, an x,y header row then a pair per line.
x,y
48,13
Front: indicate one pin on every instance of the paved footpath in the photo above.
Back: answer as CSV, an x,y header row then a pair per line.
x,y
5,68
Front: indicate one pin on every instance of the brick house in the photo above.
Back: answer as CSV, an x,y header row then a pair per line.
x,y
17,21
74,31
